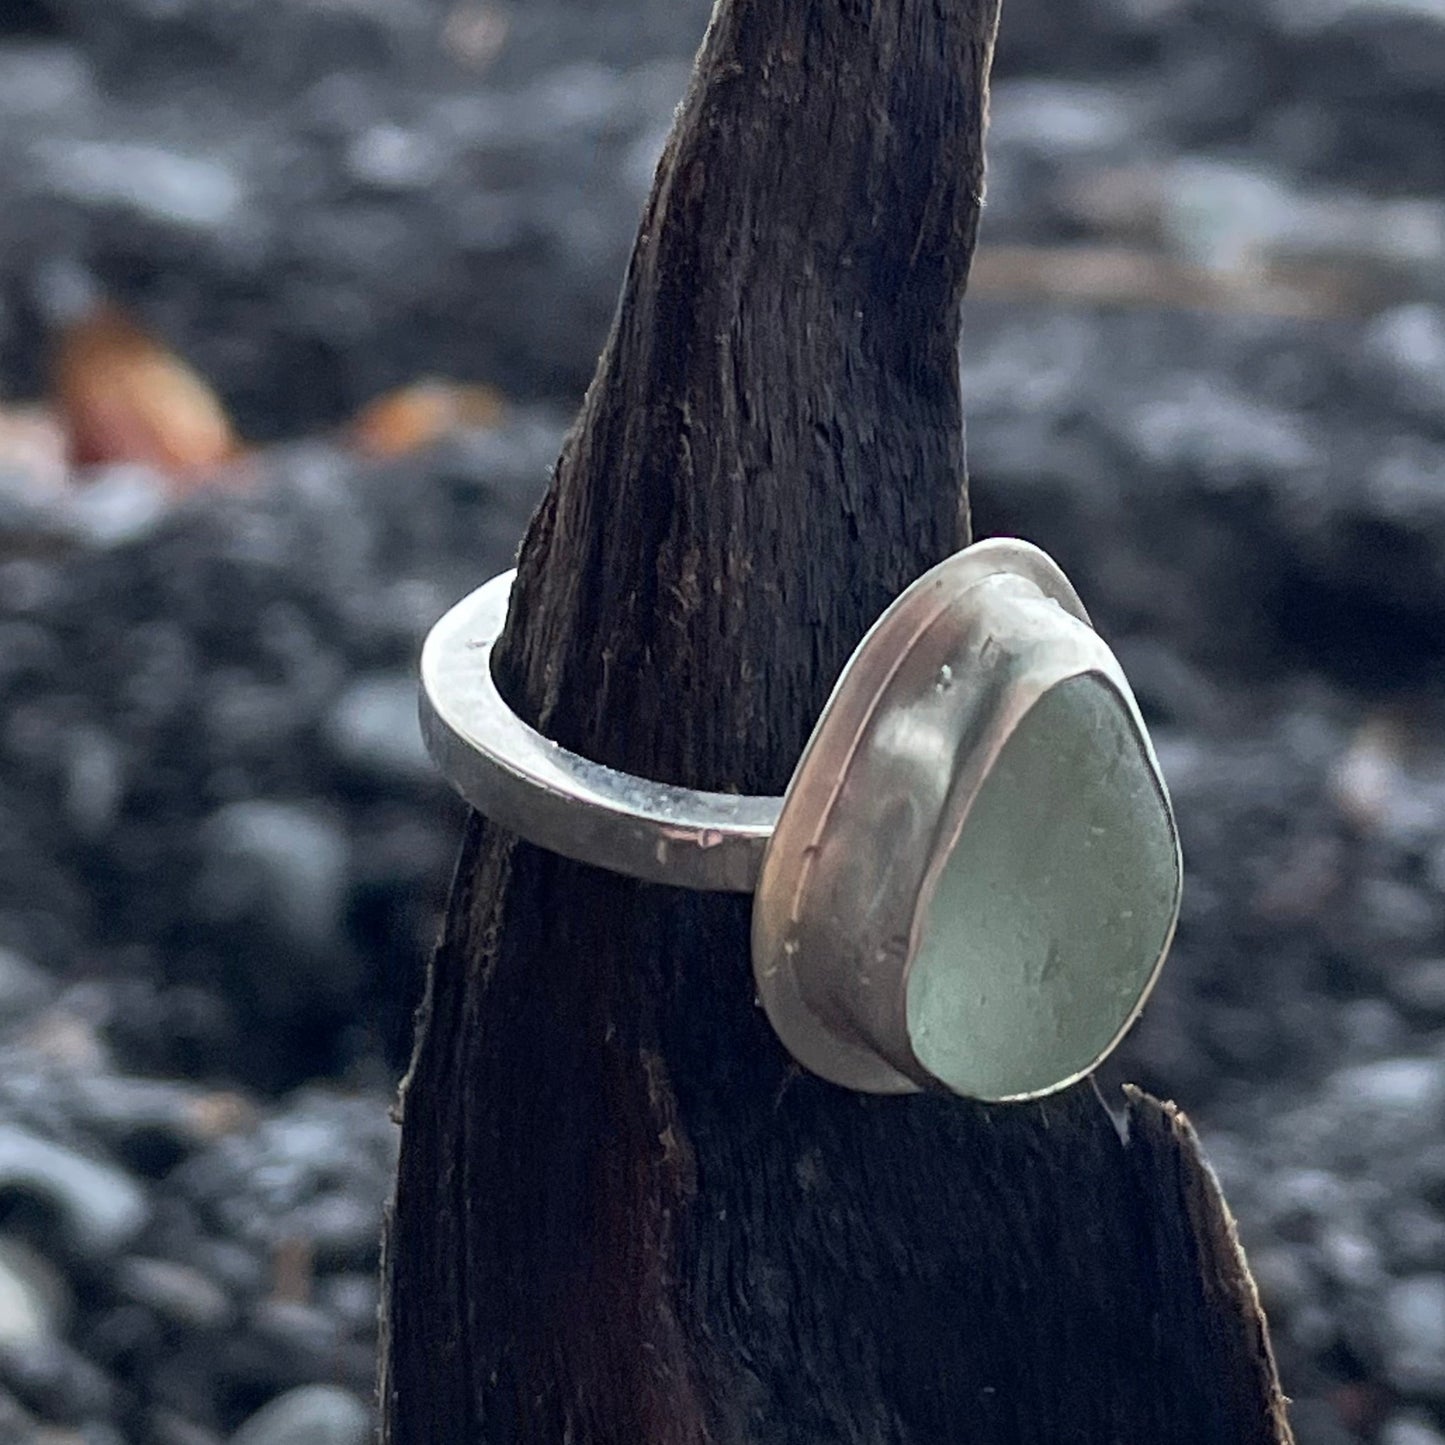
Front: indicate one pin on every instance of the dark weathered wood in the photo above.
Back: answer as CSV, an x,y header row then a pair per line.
x,y
621,1214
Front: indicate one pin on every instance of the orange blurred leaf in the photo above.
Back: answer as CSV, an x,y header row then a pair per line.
x,y
414,416
123,397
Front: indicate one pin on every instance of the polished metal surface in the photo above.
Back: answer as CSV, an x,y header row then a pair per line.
x,y
513,775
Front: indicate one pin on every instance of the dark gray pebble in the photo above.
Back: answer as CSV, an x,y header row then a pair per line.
x,y
35,1300
1413,1328
165,1427
174,1291
25,988
373,727
313,1415
1419,988
56,1382
100,1207
1410,1428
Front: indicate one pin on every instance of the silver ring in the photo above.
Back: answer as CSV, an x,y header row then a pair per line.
x,y
973,878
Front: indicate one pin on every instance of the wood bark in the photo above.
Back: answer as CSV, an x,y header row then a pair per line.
x,y
622,1214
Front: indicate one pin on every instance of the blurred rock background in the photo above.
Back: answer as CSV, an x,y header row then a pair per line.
x,y
1204,363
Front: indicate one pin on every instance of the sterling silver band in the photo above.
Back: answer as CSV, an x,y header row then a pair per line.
x,y
566,803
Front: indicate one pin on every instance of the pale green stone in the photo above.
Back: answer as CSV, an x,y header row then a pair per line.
x,y
1051,914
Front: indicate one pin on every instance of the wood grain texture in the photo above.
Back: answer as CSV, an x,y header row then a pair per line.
x,y
622,1215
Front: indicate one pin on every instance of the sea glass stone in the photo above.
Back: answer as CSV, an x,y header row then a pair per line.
x,y
1053,911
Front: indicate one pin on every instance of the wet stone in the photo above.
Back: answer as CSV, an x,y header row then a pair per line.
x,y
1410,1428
119,505
16,1422
283,862
1402,1088
1414,1236
100,1207
315,1415
1407,345
240,1272
34,1299
24,987
1319,1423
1284,1278
58,1384
296,1339
353,1299
1413,1329
118,1337
374,727
100,1432
168,1428
1419,988
174,1291
341,1228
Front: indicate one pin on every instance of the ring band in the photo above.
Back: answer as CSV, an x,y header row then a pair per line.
x,y
542,792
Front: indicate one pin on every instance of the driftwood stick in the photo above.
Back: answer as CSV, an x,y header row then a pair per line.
x,y
622,1214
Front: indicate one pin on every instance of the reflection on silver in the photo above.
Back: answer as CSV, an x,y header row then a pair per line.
x,y
881,968
513,775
